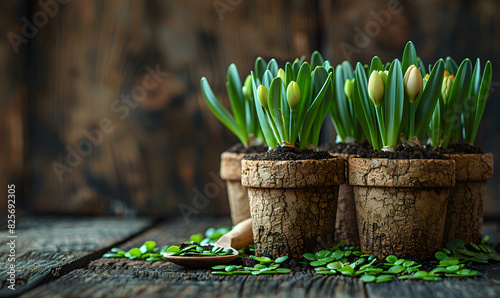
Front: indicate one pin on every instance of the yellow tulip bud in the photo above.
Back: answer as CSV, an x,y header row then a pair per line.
x,y
348,88
247,88
281,74
413,82
446,87
262,95
376,88
293,95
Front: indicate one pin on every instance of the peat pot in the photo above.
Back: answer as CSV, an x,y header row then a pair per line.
x,y
293,204
464,215
346,226
230,171
401,204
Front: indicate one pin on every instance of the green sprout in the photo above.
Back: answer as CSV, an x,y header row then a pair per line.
x,y
391,104
292,103
243,121
462,100
341,110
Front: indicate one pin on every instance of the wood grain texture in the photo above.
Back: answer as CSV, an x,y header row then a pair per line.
x,y
118,277
13,99
83,66
126,278
48,247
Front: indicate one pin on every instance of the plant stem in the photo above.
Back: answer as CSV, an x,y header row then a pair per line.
x,y
412,120
381,124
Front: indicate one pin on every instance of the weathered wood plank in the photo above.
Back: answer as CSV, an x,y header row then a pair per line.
x,y
13,122
48,247
122,277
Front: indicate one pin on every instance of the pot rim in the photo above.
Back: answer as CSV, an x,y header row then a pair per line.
x,y
415,173
473,166
308,173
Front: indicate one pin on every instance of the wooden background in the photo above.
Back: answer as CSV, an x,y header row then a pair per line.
x,y
159,153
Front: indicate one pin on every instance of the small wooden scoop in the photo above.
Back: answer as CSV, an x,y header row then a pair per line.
x,y
239,237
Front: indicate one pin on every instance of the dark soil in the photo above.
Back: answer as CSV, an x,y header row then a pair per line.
x,y
345,148
459,148
239,148
404,152
289,153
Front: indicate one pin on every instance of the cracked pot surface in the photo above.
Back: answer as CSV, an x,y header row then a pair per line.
x,y
464,215
346,225
293,204
401,204
230,171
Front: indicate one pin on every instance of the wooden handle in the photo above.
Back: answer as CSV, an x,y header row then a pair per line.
x,y
240,236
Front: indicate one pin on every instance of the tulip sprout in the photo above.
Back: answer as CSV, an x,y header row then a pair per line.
x,y
243,122
341,110
292,103
461,103
391,104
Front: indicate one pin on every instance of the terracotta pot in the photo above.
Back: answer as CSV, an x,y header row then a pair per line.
x,y
230,171
464,215
401,204
346,225
293,204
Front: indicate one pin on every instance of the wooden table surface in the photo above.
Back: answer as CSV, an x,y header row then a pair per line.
x,y
60,257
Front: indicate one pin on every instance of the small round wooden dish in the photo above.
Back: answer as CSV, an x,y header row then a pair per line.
x,y
202,262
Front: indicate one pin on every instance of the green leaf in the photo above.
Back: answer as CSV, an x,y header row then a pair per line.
x,y
409,57
451,66
267,130
317,263
221,112
442,256
393,104
323,253
273,67
316,60
281,259
274,101
427,100
366,109
459,92
260,68
396,269
347,270
304,82
310,256
312,112
320,78
283,270
136,252
368,278
376,64
173,249
334,265
391,259
147,247
236,98
339,108
337,254
481,102
196,238
384,278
